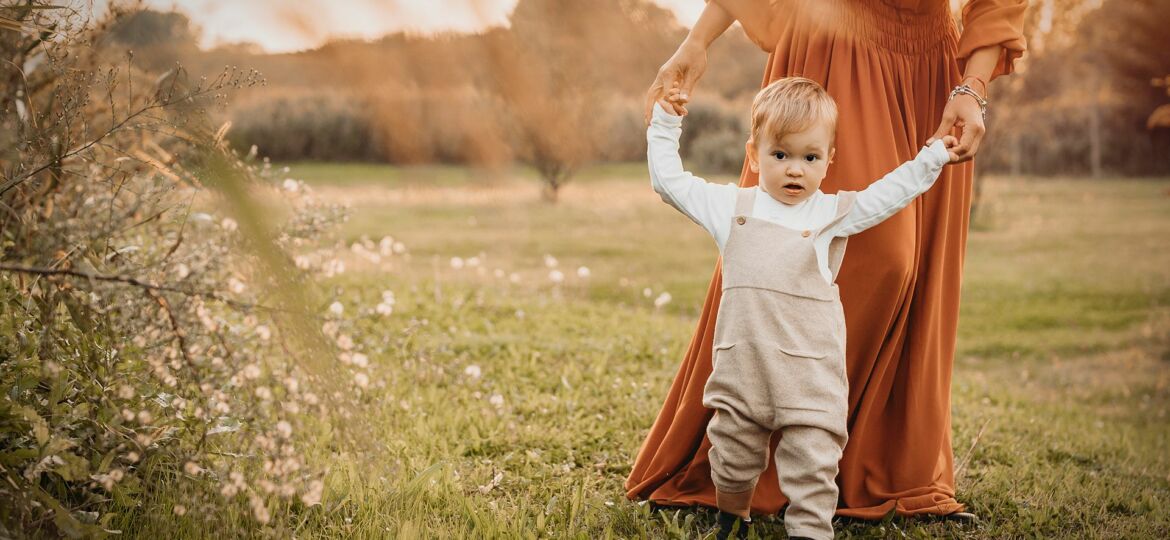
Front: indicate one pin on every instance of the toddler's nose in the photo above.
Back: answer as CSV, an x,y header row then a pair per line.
x,y
795,172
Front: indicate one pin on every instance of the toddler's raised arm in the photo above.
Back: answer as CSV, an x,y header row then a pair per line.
x,y
709,205
895,190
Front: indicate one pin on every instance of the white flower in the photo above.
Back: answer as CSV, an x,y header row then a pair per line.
x,y
235,285
251,371
473,371
336,308
302,262
514,277
388,297
360,360
229,224
192,468
384,309
662,300
583,272
344,342
361,379
456,262
334,267
399,248
263,393
386,246
180,510
473,262
284,429
263,332
182,270
520,314
556,276
499,273
550,261
312,497
259,510
647,292
290,185
496,400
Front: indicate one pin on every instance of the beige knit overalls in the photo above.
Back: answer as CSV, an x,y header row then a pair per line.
x,y
779,364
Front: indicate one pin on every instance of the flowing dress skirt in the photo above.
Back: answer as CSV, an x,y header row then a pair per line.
x,y
890,71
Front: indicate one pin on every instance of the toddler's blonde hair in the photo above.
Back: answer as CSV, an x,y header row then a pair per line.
x,y
791,105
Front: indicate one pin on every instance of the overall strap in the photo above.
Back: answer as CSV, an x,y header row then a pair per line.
x,y
845,201
744,200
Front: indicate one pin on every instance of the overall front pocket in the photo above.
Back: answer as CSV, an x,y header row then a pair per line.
x,y
811,380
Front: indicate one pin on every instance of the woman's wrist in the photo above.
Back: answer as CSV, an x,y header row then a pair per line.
x,y
976,83
696,43
979,68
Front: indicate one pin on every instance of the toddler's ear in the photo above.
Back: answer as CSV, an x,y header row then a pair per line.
x,y
753,159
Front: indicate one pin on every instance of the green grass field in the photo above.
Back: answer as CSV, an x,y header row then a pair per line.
x,y
507,405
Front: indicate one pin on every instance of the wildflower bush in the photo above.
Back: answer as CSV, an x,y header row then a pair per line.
x,y
157,320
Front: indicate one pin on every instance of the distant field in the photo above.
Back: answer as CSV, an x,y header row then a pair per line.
x,y
513,406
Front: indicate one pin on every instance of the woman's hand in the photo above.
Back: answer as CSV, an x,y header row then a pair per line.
x,y
962,112
681,72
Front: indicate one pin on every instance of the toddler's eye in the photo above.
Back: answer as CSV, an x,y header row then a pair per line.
x,y
810,158
779,155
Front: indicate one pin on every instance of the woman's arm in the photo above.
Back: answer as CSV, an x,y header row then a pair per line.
x,y
992,40
963,110
684,69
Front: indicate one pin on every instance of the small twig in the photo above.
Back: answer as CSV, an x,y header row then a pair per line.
x,y
177,330
971,450
245,306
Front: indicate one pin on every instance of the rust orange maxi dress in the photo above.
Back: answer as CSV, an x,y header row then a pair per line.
x,y
890,66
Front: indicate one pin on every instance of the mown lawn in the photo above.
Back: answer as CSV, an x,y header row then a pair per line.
x,y
509,405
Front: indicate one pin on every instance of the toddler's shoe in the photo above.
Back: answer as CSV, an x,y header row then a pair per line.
x,y
732,526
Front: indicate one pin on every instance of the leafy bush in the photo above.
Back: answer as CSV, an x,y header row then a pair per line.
x,y
153,326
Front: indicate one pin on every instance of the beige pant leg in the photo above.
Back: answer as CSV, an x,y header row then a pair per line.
x,y
806,465
739,449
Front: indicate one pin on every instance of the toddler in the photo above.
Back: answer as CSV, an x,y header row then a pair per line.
x,y
779,351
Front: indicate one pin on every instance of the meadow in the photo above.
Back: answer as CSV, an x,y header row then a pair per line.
x,y
530,346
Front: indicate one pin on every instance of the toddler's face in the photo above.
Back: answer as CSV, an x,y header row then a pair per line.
x,y
792,168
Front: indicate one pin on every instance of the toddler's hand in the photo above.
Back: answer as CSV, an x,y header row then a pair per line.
x,y
671,108
950,141
672,102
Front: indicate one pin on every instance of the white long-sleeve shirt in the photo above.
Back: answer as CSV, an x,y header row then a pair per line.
x,y
712,206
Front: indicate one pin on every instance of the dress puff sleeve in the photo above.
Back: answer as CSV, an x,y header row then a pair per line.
x,y
993,22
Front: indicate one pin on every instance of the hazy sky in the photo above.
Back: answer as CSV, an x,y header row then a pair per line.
x,y
290,25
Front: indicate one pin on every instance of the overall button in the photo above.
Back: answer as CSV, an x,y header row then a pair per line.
x,y
806,233
740,220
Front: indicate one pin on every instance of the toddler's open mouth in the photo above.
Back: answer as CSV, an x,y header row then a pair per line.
x,y
792,188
